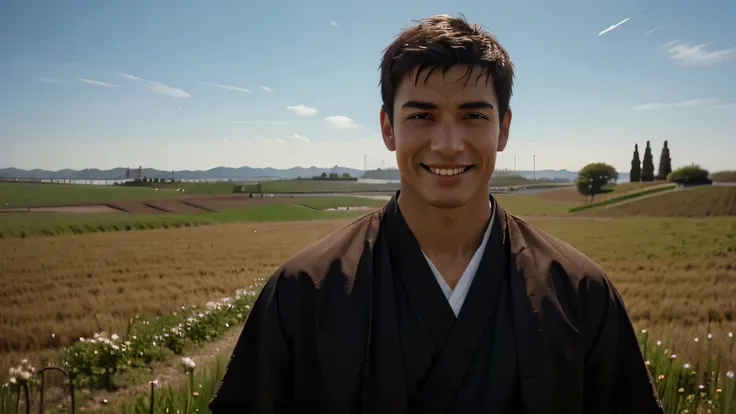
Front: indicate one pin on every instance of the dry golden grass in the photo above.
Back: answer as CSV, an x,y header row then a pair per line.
x,y
73,286
677,276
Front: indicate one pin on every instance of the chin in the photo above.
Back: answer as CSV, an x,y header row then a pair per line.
x,y
446,200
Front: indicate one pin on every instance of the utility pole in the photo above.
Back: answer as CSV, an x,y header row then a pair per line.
x,y
514,162
535,166
365,163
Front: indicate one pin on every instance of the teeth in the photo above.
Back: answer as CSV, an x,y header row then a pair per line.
x,y
447,171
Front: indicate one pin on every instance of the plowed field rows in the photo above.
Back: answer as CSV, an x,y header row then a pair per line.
x,y
677,276
73,286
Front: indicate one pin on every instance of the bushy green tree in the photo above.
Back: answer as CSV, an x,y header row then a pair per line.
x,y
665,163
635,173
690,173
647,168
593,178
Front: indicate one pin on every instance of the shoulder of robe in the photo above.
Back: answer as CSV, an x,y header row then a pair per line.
x,y
341,249
550,255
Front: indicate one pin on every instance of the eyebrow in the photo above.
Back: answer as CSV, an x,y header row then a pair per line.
x,y
464,105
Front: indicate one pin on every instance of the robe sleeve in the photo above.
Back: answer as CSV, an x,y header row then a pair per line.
x,y
617,380
257,377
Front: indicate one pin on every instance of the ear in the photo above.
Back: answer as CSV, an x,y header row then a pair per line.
x,y
387,131
504,130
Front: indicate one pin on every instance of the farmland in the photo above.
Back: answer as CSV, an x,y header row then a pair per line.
x,y
676,274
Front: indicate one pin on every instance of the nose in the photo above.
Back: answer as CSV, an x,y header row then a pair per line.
x,y
447,139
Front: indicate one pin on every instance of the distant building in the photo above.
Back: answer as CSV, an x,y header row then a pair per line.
x,y
135,173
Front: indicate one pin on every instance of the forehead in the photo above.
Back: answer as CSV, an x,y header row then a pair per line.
x,y
457,84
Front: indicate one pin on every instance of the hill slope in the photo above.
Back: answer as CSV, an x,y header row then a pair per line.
x,y
706,201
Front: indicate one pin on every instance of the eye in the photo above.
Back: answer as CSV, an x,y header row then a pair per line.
x,y
423,116
475,115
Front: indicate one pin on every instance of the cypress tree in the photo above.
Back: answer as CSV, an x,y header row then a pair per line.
x,y
665,163
647,168
635,173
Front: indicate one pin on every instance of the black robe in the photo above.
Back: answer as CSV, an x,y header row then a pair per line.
x,y
356,323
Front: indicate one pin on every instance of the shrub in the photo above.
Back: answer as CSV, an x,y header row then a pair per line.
x,y
689,174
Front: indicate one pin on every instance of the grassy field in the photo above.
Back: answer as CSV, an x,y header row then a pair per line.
x,y
708,201
36,194
29,195
54,224
677,275
625,197
570,194
533,205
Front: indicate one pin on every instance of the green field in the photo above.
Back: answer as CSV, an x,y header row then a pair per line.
x,y
54,224
532,205
33,195
625,196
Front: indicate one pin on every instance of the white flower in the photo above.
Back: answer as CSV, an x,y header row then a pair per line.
x,y
114,337
686,366
729,374
659,343
643,331
673,356
696,339
710,336
188,363
730,334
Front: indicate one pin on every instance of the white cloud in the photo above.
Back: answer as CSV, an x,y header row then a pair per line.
x,y
653,106
698,55
125,75
613,27
303,110
297,137
267,89
98,83
260,122
694,102
341,122
48,81
731,105
280,141
228,87
333,23
159,87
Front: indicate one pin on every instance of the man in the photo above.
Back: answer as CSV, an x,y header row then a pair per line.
x,y
440,302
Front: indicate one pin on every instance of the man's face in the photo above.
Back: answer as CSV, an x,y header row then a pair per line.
x,y
446,133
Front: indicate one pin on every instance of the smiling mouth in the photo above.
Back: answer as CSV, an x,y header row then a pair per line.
x,y
447,172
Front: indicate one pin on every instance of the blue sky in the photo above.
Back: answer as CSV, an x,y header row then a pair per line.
x,y
193,84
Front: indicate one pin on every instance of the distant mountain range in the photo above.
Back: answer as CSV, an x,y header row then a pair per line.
x,y
255,173
214,173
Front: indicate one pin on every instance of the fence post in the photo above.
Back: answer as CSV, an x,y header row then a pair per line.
x,y
41,372
153,385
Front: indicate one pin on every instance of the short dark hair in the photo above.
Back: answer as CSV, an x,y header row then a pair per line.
x,y
445,41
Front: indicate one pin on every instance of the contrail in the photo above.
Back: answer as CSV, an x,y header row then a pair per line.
x,y
614,26
653,30
651,4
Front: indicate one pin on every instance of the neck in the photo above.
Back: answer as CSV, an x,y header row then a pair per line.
x,y
448,232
